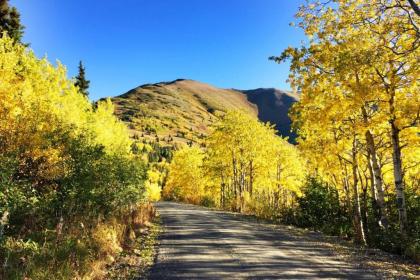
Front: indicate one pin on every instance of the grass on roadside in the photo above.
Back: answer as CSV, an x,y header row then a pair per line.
x,y
135,262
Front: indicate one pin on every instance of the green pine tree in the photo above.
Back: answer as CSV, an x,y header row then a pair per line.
x,y
81,81
10,21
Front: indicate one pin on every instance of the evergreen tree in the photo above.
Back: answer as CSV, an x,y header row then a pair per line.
x,y
10,21
81,81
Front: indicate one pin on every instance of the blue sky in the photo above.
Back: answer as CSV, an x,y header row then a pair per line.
x,y
127,43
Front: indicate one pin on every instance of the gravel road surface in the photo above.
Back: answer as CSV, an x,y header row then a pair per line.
x,y
200,243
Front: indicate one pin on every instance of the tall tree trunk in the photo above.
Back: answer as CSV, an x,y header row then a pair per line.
x,y
398,178
378,186
347,193
346,186
241,185
278,183
222,193
364,208
235,178
241,191
373,192
251,177
397,162
377,180
359,236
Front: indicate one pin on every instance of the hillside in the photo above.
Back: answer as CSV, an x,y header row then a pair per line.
x,y
273,106
182,110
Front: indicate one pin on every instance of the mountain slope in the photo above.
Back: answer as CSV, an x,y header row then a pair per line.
x,y
182,110
273,106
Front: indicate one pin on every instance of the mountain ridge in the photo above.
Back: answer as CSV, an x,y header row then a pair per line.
x,y
182,110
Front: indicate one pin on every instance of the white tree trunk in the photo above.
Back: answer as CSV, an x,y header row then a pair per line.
x,y
398,177
377,180
359,232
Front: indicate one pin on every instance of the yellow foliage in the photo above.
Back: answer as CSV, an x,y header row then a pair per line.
x,y
59,156
153,191
186,180
244,161
37,101
153,176
110,132
358,115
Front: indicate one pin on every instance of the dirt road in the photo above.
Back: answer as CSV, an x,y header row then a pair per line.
x,y
198,243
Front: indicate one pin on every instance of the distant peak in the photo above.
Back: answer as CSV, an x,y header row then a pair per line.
x,y
190,84
166,83
275,91
268,89
172,82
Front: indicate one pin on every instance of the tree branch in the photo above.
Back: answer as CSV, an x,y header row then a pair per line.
x,y
415,7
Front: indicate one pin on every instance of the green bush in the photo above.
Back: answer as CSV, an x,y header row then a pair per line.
x,y
319,209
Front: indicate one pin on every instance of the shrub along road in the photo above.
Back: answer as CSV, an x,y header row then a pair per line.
x,y
201,243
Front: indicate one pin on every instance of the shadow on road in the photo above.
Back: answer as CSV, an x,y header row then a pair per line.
x,y
198,243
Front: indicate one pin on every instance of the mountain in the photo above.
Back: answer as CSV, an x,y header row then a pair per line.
x,y
182,110
273,106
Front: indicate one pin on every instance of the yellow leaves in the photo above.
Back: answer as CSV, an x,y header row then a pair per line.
x,y
16,112
186,180
240,150
37,101
291,166
152,191
153,176
109,131
357,75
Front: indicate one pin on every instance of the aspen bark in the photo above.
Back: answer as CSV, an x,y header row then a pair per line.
x,y
397,163
359,237
377,187
364,204
377,179
251,178
235,180
398,178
